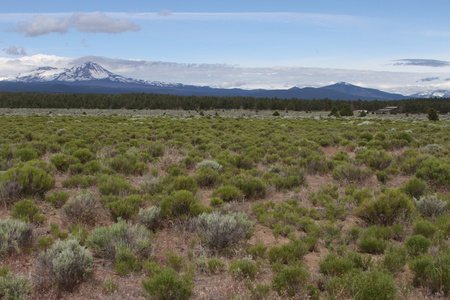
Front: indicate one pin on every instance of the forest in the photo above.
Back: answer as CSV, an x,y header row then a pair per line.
x,y
156,101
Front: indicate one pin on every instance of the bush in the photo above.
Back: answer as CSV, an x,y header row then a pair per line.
x,y
83,155
290,281
350,173
390,207
417,245
125,208
228,193
104,240
27,211
434,171
167,285
372,245
377,159
209,164
252,187
13,288
432,115
62,162
25,154
79,181
14,234
207,177
395,259
181,204
81,209
33,180
289,253
66,263
219,231
425,228
150,217
126,261
182,182
113,185
415,187
127,164
430,206
244,268
57,199
333,265
432,273
10,191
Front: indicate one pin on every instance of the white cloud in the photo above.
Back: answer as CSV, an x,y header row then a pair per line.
x,y
83,22
14,50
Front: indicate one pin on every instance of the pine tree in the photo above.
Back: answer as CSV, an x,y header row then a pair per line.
x,y
334,112
432,115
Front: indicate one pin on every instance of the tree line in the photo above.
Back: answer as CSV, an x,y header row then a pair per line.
x,y
158,101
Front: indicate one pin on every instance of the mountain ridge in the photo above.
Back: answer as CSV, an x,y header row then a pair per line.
x,y
91,77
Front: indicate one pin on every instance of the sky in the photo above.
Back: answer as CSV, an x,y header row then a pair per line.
x,y
396,45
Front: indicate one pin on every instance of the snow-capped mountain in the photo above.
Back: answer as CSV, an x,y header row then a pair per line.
x,y
433,94
88,71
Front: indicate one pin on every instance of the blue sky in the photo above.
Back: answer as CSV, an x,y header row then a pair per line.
x,y
383,36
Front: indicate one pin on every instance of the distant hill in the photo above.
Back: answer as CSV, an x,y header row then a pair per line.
x,y
93,78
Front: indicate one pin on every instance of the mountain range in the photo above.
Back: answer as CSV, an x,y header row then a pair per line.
x,y
91,77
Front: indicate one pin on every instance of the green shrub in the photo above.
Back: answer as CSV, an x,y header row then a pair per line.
x,y
126,261
113,185
14,234
25,210
150,217
219,231
215,265
216,202
78,232
435,171
432,273
395,259
415,187
244,268
207,177
62,162
83,155
14,288
228,193
333,265
430,206
382,176
377,159
33,180
127,164
252,187
81,209
372,245
104,240
350,173
57,199
417,245
374,285
46,241
125,208
182,182
289,253
25,154
66,263
290,281
390,207
425,228
79,181
181,204
167,285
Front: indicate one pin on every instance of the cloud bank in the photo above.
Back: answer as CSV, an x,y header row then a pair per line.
x,y
14,50
422,62
96,22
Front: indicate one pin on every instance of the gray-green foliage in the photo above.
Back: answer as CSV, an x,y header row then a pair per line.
x,y
81,209
209,164
150,217
14,287
67,263
219,231
430,206
14,234
32,179
104,240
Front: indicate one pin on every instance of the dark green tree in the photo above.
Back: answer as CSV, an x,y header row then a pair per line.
x,y
346,110
432,115
334,112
